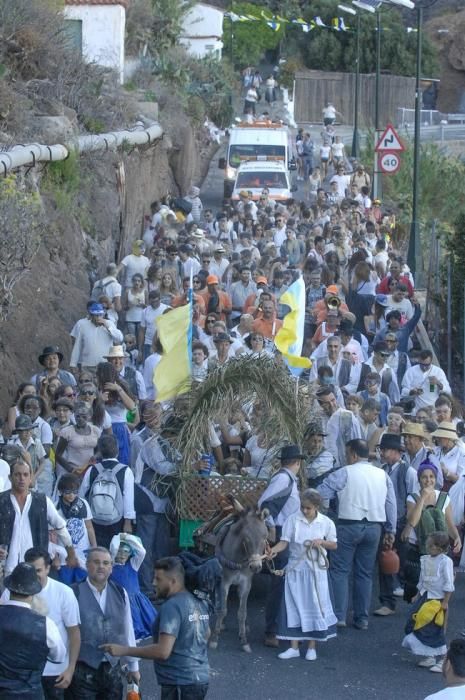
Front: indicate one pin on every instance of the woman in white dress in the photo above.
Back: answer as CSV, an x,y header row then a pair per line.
x,y
306,612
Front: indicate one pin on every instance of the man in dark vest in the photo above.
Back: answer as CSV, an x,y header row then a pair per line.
x,y
26,518
133,378
404,479
105,617
281,499
27,639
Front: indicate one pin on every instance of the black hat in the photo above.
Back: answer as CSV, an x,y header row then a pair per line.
x,y
23,423
23,580
291,452
391,441
382,347
50,350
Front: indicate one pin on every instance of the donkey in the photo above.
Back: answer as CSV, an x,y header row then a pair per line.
x,y
240,552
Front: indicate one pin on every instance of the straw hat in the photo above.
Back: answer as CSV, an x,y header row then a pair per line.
x,y
446,430
116,351
414,429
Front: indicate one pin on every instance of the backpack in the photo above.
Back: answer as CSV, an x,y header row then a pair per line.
x,y
99,289
432,520
105,495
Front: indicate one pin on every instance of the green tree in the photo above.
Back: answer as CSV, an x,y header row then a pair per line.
x,y
250,39
326,49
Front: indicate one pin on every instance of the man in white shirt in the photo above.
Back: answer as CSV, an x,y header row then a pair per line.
x,y
425,381
60,604
240,291
27,638
25,519
105,615
280,233
135,263
94,337
219,264
453,671
108,286
147,324
341,427
345,375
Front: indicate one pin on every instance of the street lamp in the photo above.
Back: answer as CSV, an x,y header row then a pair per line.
x,y
355,138
414,240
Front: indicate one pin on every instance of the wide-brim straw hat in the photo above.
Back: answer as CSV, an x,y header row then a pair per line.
x,y
446,430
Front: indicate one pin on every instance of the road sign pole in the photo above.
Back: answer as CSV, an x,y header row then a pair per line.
x,y
377,174
414,239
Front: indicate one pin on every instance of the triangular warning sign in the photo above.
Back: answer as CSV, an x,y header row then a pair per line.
x,y
389,141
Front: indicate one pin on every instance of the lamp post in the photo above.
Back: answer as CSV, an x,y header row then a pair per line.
x,y
414,240
355,138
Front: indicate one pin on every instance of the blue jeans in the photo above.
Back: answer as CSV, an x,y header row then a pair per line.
x,y
357,547
154,531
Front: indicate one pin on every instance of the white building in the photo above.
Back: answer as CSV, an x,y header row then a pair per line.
x,y
98,28
203,31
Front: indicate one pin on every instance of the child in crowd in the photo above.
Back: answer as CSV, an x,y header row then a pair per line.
x,y
306,612
427,622
372,391
128,554
78,515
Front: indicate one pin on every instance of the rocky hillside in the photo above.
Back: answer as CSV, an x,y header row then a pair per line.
x,y
447,32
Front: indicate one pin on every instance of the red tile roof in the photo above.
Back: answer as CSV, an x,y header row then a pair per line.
x,y
124,3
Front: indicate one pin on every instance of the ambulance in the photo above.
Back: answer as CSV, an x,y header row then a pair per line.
x,y
261,141
252,177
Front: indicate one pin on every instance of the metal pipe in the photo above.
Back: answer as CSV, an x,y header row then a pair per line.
x,y
355,138
31,154
449,319
414,239
376,174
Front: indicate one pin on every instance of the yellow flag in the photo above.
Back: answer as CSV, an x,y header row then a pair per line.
x,y
173,372
290,337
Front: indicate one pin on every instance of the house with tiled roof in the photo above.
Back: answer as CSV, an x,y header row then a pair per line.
x,y
98,29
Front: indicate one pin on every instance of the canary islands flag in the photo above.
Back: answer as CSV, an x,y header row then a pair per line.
x,y
173,372
290,337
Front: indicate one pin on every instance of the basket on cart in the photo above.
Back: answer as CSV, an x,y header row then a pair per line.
x,y
200,497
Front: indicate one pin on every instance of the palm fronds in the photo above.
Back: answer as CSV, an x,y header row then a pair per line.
x,y
285,404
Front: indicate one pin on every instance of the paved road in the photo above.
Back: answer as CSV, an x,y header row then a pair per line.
x,y
356,666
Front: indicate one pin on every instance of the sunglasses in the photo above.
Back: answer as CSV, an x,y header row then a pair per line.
x,y
69,492
257,337
210,320
87,393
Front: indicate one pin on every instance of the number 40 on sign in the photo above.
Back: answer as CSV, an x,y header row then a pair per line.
x,y
389,163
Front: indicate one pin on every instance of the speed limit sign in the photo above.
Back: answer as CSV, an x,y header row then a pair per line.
x,y
389,162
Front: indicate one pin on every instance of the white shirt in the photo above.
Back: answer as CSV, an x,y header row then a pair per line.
x,y
436,576
454,693
219,267
279,237
78,533
149,368
61,606
21,538
93,343
101,598
134,264
415,378
128,491
4,476
56,648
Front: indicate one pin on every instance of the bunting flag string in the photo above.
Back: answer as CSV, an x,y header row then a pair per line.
x,y
275,22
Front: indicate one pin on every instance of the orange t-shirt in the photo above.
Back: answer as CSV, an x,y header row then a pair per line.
x,y
268,328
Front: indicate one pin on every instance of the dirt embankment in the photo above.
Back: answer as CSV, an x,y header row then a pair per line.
x,y
53,295
447,32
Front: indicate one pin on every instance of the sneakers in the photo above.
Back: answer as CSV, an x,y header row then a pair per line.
x,y
427,662
384,611
290,654
310,655
343,623
437,668
398,592
361,625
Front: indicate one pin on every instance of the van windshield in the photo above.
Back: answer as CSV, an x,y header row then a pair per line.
x,y
254,179
241,152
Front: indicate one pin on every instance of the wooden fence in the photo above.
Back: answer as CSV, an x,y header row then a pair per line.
x,y
313,89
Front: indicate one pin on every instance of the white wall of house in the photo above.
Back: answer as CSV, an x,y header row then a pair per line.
x,y
203,30
103,28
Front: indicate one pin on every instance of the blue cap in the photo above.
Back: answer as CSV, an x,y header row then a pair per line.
x,y
381,299
96,310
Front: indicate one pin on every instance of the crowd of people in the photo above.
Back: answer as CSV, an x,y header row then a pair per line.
x,y
87,451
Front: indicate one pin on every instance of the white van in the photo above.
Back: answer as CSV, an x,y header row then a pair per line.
x,y
262,140
254,176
